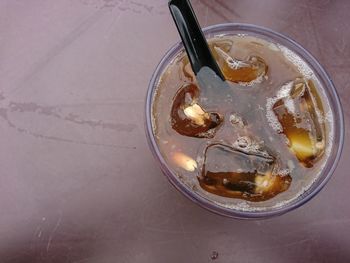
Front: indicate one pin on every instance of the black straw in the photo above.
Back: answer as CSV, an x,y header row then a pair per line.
x,y
192,37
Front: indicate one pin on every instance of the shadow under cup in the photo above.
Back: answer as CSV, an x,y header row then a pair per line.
x,y
334,103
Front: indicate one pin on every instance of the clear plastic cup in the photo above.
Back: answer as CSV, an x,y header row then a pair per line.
x,y
338,123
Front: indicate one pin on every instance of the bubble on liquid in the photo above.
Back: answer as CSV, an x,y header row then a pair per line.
x,y
284,172
301,65
243,142
200,159
291,165
320,116
272,119
209,134
236,120
330,136
290,105
250,146
284,91
253,82
328,116
219,35
273,47
247,207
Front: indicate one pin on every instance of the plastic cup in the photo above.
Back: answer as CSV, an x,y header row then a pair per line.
x,y
335,106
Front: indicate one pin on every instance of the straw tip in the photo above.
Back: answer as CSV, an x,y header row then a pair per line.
x,y
176,2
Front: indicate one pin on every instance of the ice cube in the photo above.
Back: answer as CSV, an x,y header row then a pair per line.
x,y
189,118
300,122
223,44
237,120
236,173
239,71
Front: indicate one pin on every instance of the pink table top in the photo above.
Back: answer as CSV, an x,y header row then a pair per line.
x,y
78,182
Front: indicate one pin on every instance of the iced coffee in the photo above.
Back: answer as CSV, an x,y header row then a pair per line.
x,y
258,142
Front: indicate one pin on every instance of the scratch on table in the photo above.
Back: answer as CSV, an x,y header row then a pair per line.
x,y
60,46
106,102
167,241
83,260
228,8
59,139
164,230
298,242
111,27
206,16
36,235
55,112
341,45
111,3
316,5
279,246
53,232
140,7
321,223
331,222
185,236
4,115
39,234
149,8
216,11
149,202
314,31
156,197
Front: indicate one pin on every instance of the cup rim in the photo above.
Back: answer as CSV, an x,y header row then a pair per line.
x,y
338,138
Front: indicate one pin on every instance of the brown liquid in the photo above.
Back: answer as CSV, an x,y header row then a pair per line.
x,y
262,139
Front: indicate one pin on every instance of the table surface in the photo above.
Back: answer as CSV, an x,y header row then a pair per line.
x,y
78,182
